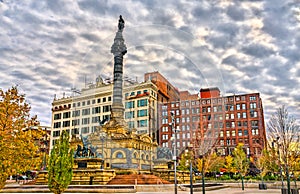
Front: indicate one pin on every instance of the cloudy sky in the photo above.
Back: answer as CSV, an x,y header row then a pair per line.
x,y
240,46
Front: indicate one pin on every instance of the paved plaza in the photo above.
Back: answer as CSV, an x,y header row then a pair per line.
x,y
220,191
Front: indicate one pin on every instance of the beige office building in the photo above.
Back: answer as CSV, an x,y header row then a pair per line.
x,y
87,109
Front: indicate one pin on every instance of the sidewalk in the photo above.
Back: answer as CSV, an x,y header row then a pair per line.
x,y
221,191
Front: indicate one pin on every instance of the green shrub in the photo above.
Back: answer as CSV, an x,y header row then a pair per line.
x,y
224,177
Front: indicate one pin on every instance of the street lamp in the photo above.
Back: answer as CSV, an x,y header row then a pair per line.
x,y
190,147
102,138
278,152
175,150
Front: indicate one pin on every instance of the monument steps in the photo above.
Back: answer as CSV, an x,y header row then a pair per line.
x,y
140,179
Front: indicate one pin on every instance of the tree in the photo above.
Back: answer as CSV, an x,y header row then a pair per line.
x,y
204,143
60,165
229,165
241,161
264,163
283,129
185,158
213,163
18,135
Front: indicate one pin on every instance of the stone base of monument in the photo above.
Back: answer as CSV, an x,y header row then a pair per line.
x,y
86,171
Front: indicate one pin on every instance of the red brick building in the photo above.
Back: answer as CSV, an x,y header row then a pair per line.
x,y
227,120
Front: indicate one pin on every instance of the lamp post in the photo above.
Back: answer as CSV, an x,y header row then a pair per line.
x,y
175,150
191,167
102,138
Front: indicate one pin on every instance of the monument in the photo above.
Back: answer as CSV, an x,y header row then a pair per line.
x,y
120,147
113,147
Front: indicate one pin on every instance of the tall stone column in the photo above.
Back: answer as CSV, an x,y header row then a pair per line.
x,y
118,49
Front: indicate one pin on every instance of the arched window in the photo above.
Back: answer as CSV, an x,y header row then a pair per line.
x,y
147,157
142,156
119,155
135,155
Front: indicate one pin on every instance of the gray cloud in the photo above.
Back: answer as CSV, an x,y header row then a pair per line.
x,y
47,47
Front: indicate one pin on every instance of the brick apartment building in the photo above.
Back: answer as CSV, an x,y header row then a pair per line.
x,y
226,120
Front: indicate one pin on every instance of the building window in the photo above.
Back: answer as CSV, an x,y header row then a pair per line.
x,y
233,133
240,132
76,113
244,106
129,104
215,109
75,131
142,113
232,124
244,115
227,141
56,124
66,123
75,122
88,102
96,110
86,111
226,116
245,132
142,102
183,127
238,107
231,116
130,124
208,109
227,124
95,119
238,115
252,98
109,98
187,111
221,133
56,133
129,115
104,99
227,133
142,123
66,115
106,108
253,114
254,131
83,103
57,116
254,123
99,100
119,155
221,142
85,130
85,121
253,105
239,123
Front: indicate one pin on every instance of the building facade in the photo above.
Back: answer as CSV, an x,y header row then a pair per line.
x,y
84,112
220,122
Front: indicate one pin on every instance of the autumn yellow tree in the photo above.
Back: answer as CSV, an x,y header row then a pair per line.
x,y
241,162
229,165
264,163
18,148
212,163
